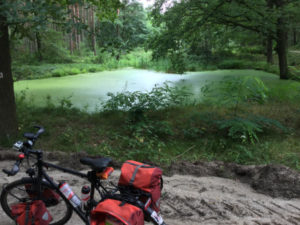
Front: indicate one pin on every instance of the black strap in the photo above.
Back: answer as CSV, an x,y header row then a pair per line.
x,y
134,174
122,203
27,211
143,165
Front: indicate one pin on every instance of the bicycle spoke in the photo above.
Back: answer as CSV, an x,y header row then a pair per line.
x,y
16,197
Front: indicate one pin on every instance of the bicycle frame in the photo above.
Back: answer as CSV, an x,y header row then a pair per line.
x,y
90,176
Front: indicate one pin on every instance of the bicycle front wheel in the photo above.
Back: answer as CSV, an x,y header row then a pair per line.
x,y
17,192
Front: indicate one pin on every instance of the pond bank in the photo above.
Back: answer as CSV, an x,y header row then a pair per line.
x,y
86,91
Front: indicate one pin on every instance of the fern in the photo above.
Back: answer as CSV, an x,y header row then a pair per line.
x,y
232,92
241,128
247,129
268,123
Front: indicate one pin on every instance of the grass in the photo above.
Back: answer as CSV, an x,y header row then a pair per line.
x,y
140,60
176,133
71,130
162,136
30,72
91,64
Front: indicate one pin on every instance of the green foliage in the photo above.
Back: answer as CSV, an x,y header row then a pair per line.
x,y
192,132
38,14
159,97
66,103
146,136
53,48
215,30
21,72
103,61
234,64
163,135
146,139
125,33
241,129
178,64
235,91
247,129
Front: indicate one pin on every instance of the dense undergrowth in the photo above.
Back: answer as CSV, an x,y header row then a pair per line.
x,y
143,60
252,126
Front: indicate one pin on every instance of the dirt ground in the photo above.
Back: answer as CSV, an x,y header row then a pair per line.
x,y
212,193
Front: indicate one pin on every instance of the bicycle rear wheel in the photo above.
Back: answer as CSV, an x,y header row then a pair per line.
x,y
17,192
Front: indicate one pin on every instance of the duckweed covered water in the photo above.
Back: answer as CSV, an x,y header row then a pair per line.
x,y
86,91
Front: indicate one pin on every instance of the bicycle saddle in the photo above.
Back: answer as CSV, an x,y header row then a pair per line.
x,y
98,164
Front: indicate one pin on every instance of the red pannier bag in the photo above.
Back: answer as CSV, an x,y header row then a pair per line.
x,y
33,213
114,212
49,196
144,177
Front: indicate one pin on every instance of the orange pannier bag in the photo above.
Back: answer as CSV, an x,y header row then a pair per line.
x,y
144,177
114,212
31,213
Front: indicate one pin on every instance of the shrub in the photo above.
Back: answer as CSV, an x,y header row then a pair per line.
x,y
234,64
74,71
58,73
92,70
232,92
157,98
177,62
247,129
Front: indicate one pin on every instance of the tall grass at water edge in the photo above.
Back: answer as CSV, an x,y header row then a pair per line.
x,y
252,132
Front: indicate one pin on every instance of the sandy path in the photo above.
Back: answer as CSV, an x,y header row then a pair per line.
x,y
189,200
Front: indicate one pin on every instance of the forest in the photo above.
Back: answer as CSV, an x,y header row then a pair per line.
x,y
183,80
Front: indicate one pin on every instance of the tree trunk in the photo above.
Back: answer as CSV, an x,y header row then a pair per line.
x,y
71,32
39,46
82,18
78,32
282,41
93,32
74,28
71,43
118,35
8,119
282,38
270,50
295,36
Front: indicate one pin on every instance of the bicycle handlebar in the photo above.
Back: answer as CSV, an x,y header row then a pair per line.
x,y
14,170
39,132
25,147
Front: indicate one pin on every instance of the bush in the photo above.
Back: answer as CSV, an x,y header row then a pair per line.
x,y
234,64
235,91
157,98
58,73
74,71
92,70
177,62
247,128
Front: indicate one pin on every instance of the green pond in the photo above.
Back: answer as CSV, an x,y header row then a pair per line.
x,y
88,90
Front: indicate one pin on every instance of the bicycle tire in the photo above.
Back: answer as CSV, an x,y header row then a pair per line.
x,y
15,192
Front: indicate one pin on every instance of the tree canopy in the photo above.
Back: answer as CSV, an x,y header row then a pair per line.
x,y
186,21
21,18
